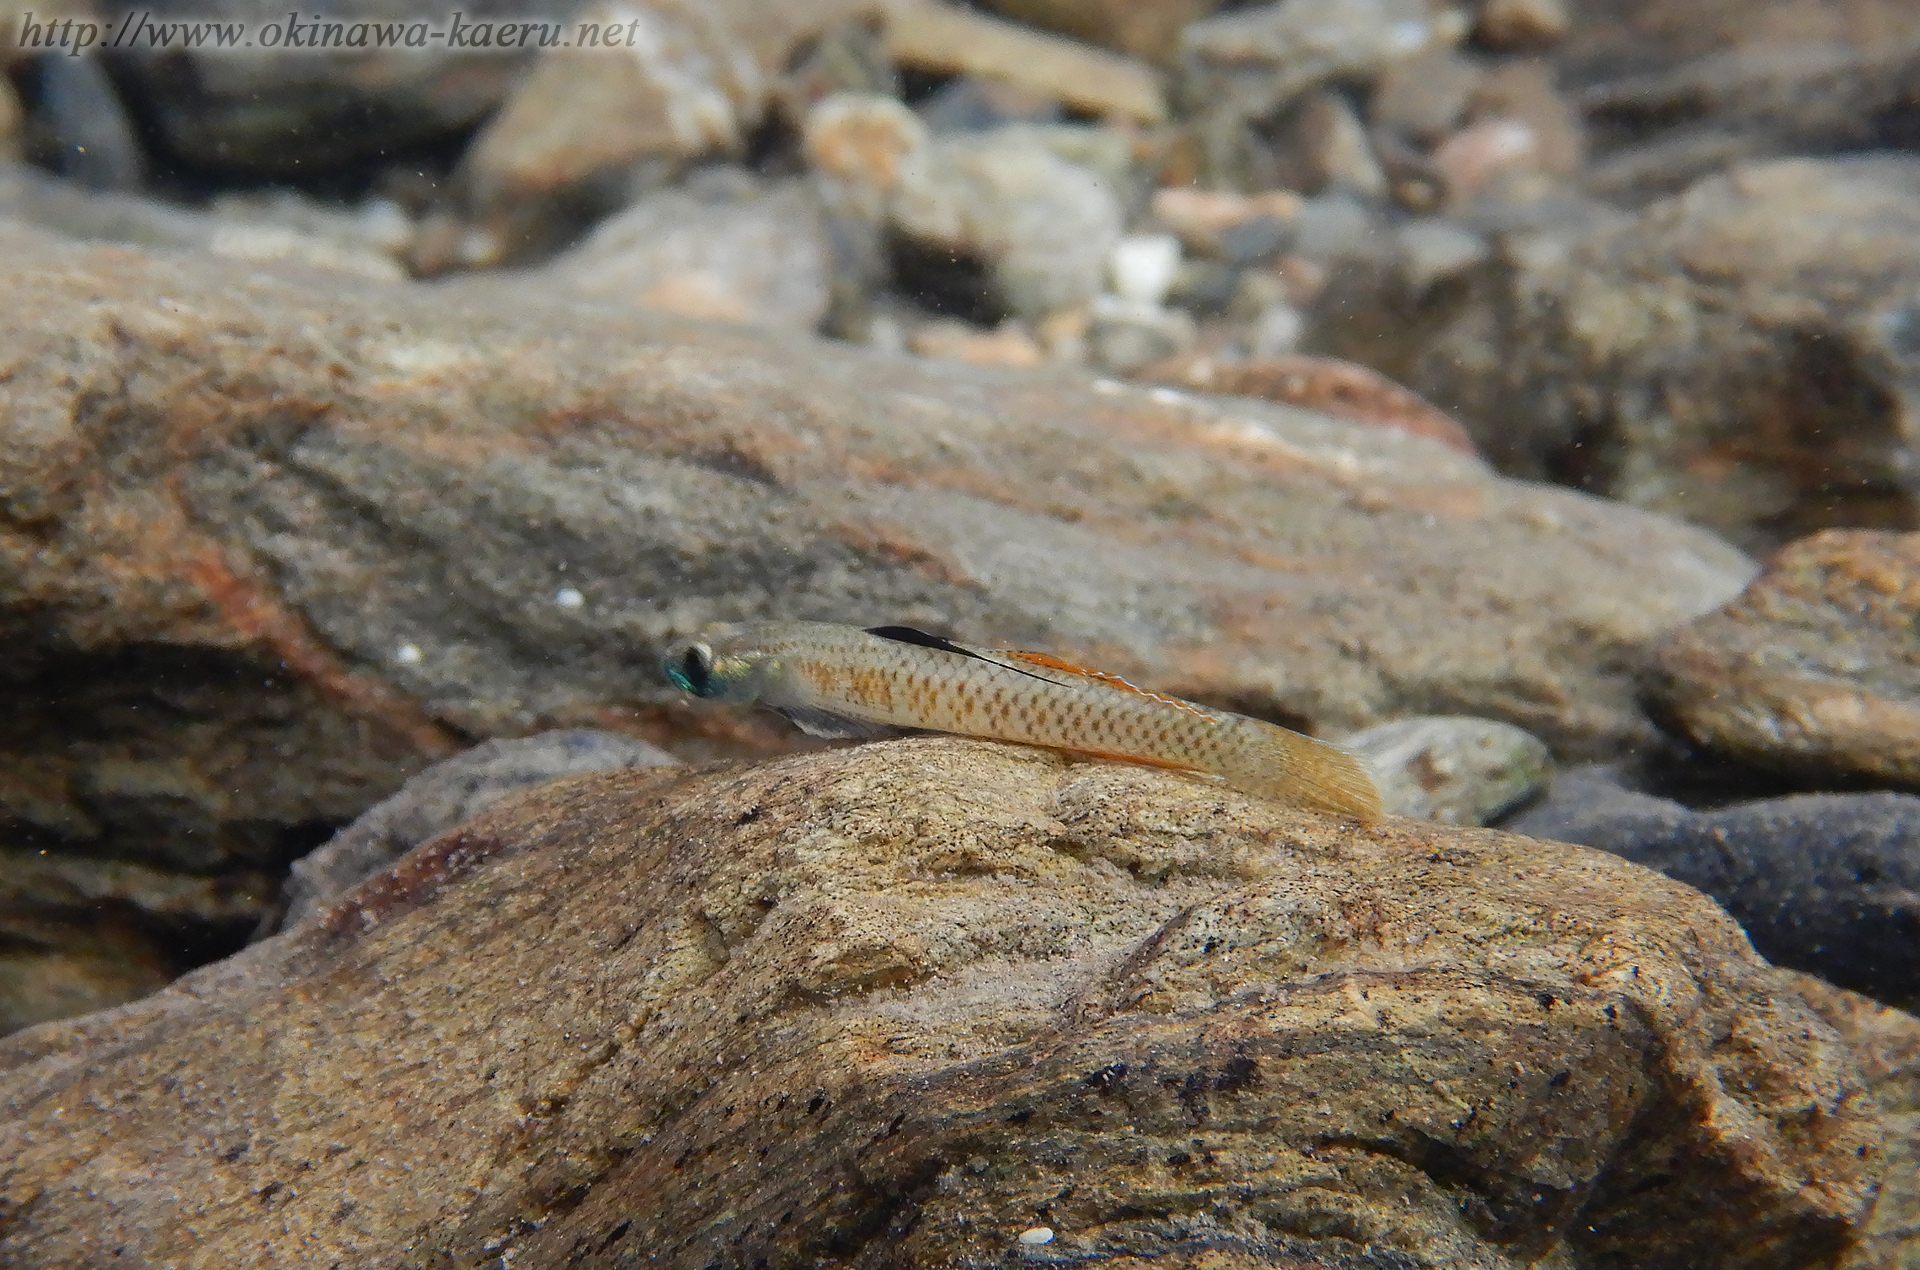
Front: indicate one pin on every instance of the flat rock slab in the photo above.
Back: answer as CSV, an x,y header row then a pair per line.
x,y
268,542
897,1004
1815,669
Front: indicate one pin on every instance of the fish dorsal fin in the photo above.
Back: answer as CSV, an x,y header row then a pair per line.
x,y
913,635
1109,679
921,639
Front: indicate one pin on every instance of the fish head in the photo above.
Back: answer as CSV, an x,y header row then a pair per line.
x,y
712,668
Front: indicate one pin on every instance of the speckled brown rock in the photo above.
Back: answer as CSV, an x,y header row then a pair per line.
x,y
1815,669
1887,1043
893,1005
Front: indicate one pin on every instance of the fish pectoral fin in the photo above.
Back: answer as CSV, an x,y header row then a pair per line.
x,y
836,727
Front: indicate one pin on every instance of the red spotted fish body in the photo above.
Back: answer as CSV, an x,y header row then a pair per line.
x,y
832,680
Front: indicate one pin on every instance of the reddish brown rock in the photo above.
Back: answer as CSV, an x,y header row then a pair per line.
x,y
1815,669
896,1005
1344,389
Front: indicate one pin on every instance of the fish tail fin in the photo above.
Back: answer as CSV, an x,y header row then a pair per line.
x,y
1290,767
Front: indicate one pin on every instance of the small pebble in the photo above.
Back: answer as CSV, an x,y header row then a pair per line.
x,y
1143,266
409,655
1034,1236
568,598
1454,769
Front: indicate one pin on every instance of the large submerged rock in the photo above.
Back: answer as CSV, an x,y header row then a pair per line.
x,y
936,1000
270,541
247,517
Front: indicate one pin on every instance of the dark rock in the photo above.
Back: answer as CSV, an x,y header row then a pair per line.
x,y
1826,883
898,1004
1815,669
286,114
968,104
445,795
1247,65
58,959
84,132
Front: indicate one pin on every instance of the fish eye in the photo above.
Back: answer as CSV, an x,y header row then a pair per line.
x,y
691,669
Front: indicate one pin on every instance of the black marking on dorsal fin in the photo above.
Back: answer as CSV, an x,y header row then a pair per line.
x,y
913,635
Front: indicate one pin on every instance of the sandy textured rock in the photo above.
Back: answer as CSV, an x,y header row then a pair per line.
x,y
896,1004
268,544
1741,355
1887,1043
1815,669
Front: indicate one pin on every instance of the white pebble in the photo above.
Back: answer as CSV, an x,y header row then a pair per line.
x,y
1278,330
568,598
1034,1236
1143,267
409,655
